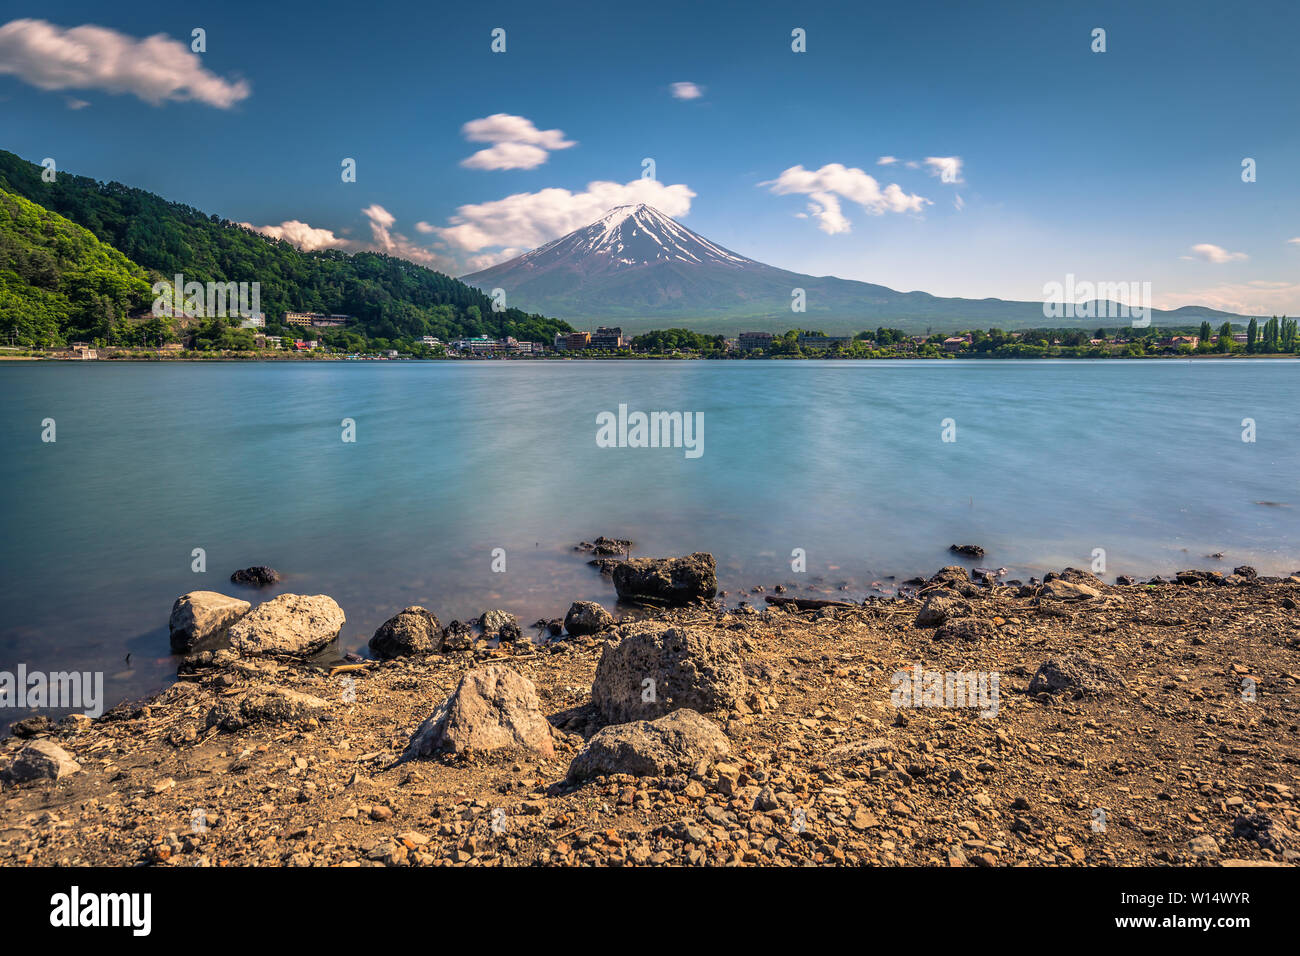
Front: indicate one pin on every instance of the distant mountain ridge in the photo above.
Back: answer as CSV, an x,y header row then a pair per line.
x,y
637,267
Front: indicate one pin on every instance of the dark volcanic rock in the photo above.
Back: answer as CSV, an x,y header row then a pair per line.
x,y
587,617
1077,675
458,637
31,726
259,576
605,546
274,705
669,581
411,632
967,550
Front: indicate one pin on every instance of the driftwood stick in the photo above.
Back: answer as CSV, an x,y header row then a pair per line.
x,y
806,604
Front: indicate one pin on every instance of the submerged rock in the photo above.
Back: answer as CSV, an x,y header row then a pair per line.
x,y
605,546
493,708
297,625
411,632
669,581
587,617
259,576
651,748
652,672
200,615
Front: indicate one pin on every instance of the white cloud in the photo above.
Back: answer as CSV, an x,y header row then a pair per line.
x,y
886,160
382,238
827,185
394,243
1208,252
507,156
300,234
156,69
527,220
958,203
1260,297
516,142
1296,240
687,91
76,104
947,168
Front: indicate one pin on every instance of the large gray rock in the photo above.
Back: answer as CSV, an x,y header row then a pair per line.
x,y
297,625
411,632
493,708
651,748
200,615
274,705
1076,675
669,581
652,672
40,760
587,617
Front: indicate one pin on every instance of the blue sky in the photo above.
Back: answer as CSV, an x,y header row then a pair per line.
x,y
1115,166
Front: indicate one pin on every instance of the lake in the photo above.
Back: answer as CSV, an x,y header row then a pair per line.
x,y
451,460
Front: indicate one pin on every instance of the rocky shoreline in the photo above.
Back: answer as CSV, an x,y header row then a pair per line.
x,y
1058,723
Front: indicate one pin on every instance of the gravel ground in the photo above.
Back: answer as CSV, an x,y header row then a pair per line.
x,y
1183,751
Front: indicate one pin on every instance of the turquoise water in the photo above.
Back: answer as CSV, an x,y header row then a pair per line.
x,y
452,460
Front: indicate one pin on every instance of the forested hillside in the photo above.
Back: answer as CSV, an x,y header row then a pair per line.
x,y
392,298
57,281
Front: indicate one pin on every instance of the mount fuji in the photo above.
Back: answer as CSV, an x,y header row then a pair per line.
x,y
641,269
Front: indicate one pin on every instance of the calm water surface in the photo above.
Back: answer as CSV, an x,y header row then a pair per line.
x,y
451,460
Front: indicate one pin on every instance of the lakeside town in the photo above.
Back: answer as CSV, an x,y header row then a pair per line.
x,y
311,335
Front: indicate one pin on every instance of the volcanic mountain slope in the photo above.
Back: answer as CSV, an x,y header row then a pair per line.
x,y
638,267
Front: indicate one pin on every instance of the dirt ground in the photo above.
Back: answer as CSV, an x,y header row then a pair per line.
x,y
1191,760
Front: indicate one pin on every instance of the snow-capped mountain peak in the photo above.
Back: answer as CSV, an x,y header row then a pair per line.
x,y
631,236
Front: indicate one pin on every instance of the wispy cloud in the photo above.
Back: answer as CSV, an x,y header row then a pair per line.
x,y
1208,252
826,186
156,69
394,243
1295,241
887,161
1259,297
687,91
516,142
526,220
